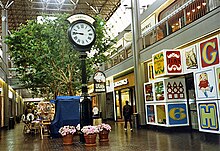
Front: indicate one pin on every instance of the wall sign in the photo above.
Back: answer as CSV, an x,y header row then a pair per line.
x,y
121,82
99,80
209,52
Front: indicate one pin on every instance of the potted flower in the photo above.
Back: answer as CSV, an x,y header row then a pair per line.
x,y
90,133
104,130
67,133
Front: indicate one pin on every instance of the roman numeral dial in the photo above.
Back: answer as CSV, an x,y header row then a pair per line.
x,y
82,33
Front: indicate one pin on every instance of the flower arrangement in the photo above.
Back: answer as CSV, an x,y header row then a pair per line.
x,y
90,129
104,126
67,130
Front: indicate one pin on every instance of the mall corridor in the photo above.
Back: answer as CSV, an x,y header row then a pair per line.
x,y
139,140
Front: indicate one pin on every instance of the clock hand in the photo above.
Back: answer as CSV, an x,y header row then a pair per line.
x,y
78,33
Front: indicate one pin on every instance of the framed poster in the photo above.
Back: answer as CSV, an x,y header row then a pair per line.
x,y
209,52
178,114
150,114
158,62
150,69
205,85
161,114
175,89
217,76
148,92
208,116
190,59
159,90
173,60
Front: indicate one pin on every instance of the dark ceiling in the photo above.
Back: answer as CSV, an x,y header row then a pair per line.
x,y
22,10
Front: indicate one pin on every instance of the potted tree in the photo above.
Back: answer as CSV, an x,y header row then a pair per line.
x,y
45,61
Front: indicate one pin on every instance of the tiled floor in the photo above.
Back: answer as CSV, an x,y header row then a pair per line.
x,y
138,140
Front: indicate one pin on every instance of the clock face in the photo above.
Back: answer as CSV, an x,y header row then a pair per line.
x,y
82,34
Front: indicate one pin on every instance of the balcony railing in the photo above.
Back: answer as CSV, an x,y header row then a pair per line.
x,y
178,19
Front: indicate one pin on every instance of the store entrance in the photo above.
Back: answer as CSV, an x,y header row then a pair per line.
x,y
193,116
121,97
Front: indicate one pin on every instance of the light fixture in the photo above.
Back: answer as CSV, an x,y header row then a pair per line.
x,y
177,24
203,3
198,7
188,13
193,10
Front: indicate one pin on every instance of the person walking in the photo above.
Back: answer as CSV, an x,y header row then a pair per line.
x,y
127,112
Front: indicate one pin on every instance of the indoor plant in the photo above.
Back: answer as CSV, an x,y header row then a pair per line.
x,y
67,133
104,130
90,133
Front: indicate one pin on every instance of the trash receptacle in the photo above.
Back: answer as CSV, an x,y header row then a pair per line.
x,y
135,120
11,123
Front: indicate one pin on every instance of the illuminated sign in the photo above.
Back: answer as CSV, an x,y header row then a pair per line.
x,y
121,82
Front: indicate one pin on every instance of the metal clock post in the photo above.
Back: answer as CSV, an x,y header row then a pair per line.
x,y
82,35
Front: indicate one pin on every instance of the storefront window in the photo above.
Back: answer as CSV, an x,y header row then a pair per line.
x,y
118,110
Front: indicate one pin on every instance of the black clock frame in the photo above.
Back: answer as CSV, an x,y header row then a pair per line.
x,y
77,46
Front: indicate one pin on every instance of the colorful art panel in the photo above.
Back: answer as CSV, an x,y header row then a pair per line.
x,y
161,114
205,84
174,63
175,89
209,52
217,74
158,61
190,62
159,90
150,68
148,90
177,114
208,116
150,113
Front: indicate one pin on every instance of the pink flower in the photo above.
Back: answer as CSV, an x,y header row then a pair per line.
x,y
103,126
90,129
67,130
